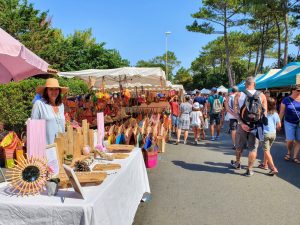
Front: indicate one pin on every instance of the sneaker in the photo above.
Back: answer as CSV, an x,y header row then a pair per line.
x,y
249,173
217,137
197,142
184,142
212,139
233,147
176,143
235,165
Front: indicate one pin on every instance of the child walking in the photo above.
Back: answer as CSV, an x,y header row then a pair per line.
x,y
270,136
196,121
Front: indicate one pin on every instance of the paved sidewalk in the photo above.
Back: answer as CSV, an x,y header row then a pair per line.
x,y
194,185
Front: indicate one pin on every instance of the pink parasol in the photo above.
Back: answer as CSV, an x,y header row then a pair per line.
x,y
16,61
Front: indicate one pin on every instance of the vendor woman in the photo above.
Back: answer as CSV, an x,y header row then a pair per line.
x,y
50,108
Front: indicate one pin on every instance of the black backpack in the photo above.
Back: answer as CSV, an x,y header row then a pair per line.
x,y
252,110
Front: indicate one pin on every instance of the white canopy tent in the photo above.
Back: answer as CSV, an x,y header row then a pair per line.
x,y
222,89
121,76
205,91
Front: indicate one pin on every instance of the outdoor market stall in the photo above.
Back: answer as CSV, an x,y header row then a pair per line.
x,y
115,201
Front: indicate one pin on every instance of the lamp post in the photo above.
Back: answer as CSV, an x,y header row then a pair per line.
x,y
167,33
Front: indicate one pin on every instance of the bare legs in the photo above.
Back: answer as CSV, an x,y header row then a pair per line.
x,y
185,135
251,159
233,135
196,133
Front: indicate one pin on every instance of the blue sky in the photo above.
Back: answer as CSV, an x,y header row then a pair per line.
x,y
136,28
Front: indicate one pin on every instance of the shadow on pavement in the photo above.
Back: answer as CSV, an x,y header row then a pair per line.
x,y
199,167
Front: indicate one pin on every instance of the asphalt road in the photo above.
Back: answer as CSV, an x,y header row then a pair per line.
x,y
194,185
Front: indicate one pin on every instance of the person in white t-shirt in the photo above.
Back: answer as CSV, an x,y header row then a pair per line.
x,y
233,122
196,121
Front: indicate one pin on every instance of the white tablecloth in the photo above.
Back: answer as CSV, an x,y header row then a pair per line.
x,y
115,201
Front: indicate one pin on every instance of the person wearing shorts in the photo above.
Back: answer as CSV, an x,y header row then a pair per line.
x,y
290,110
175,113
270,136
214,118
244,135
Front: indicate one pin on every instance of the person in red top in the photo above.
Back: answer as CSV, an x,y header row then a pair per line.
x,y
175,113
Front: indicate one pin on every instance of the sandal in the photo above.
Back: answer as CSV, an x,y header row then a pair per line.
x,y
296,160
287,157
262,166
273,172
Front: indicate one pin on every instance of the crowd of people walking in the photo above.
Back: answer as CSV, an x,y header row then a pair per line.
x,y
253,121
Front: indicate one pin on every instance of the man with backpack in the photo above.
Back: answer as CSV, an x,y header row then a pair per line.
x,y
216,106
251,109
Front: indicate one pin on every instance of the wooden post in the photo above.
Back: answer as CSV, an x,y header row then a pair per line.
x,y
91,138
85,130
60,150
76,144
70,137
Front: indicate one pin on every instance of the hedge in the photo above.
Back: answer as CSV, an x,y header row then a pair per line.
x,y
16,99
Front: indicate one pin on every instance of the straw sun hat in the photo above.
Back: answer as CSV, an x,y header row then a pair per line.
x,y
51,83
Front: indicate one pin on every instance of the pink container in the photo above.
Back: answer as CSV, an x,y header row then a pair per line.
x,y
151,159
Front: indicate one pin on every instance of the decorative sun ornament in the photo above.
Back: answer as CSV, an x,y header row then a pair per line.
x,y
29,176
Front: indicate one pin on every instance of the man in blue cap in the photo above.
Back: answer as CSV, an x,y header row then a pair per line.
x,y
216,106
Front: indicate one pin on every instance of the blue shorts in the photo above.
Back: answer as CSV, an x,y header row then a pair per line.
x,y
292,131
175,121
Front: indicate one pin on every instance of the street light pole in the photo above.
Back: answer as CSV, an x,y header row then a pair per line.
x,y
167,33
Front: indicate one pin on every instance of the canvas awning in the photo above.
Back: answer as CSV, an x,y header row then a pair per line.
x,y
279,78
121,76
16,61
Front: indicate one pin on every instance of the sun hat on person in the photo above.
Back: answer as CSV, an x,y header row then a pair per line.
x,y
196,105
51,83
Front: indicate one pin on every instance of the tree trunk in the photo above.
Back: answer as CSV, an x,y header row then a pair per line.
x,y
258,67
249,61
263,46
279,42
286,38
256,61
228,66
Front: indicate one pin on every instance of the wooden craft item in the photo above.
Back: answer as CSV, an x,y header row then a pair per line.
x,y
36,138
91,138
70,138
83,178
105,167
122,148
103,155
73,179
120,155
161,144
85,130
29,176
60,150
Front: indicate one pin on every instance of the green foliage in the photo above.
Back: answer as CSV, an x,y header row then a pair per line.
x,y
184,77
80,51
16,100
160,61
76,52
